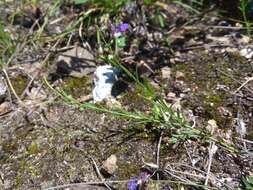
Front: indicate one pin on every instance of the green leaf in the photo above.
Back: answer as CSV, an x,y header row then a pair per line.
x,y
148,2
248,182
161,21
121,42
81,1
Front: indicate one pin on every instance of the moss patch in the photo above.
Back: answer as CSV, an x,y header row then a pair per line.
x,y
77,86
19,83
213,78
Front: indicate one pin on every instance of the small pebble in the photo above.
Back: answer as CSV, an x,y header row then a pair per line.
x,y
166,73
110,165
179,75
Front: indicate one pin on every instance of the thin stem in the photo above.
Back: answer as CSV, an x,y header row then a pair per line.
x,y
11,86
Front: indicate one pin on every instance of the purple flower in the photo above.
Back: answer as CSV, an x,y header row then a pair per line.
x,y
137,182
132,184
123,27
119,29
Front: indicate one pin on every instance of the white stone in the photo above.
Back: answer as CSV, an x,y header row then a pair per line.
x,y
3,90
104,78
247,53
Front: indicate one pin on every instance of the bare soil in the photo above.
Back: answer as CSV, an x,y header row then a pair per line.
x,y
45,142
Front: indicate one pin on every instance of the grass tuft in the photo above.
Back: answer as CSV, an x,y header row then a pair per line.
x,y
161,116
7,46
243,7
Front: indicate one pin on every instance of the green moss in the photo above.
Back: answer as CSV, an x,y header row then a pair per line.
x,y
128,169
135,99
33,148
205,74
215,99
226,80
21,173
211,102
19,83
33,171
77,86
11,146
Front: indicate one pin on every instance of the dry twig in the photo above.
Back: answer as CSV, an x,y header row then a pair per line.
x,y
100,175
158,155
246,82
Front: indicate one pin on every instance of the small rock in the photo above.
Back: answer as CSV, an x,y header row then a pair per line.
x,y
247,52
3,90
166,73
77,62
179,75
110,165
5,108
212,126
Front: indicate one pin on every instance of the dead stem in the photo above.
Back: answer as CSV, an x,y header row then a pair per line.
x,y
158,156
11,87
100,175
246,82
211,153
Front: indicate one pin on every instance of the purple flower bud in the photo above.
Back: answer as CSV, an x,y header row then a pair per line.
x,y
119,29
132,184
137,182
123,27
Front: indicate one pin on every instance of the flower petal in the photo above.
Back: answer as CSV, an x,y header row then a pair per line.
x,y
123,27
132,184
